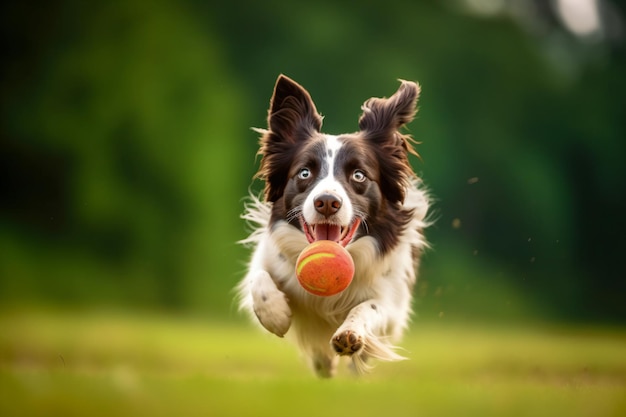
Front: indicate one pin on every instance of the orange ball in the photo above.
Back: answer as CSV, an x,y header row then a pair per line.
x,y
324,268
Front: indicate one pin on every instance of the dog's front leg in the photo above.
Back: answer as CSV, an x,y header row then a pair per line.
x,y
269,303
364,333
350,337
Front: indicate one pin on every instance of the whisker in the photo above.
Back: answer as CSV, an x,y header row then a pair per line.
x,y
362,216
293,214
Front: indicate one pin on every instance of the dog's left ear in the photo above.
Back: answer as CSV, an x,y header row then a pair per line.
x,y
380,123
382,117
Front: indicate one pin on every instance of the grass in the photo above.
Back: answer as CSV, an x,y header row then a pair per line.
x,y
91,364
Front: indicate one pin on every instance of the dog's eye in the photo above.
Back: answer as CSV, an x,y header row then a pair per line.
x,y
304,174
358,176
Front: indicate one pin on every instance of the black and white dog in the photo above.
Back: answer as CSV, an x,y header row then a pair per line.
x,y
357,189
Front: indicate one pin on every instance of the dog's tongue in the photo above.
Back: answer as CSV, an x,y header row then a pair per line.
x,y
327,232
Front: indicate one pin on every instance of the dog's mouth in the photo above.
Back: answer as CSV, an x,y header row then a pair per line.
x,y
328,231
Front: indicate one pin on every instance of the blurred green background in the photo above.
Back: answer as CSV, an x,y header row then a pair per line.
x,y
126,148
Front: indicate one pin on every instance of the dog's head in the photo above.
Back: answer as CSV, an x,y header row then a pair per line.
x,y
338,187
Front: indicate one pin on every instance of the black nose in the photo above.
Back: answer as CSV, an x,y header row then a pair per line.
x,y
327,204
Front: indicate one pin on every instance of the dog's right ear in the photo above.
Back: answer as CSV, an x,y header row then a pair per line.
x,y
292,119
292,115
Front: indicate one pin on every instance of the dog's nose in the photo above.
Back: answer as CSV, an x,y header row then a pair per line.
x,y
327,204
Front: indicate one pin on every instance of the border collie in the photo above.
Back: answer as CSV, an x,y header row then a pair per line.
x,y
356,189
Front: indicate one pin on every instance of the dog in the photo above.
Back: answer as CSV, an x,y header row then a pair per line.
x,y
356,189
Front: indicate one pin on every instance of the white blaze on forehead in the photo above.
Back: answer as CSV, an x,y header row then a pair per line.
x,y
329,184
332,148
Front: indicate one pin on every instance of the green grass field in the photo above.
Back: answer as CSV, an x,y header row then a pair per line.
x,y
90,364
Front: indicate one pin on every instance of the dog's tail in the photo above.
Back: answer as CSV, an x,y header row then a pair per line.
x,y
374,348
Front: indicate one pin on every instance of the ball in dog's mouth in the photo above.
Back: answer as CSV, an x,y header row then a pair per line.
x,y
324,268
330,231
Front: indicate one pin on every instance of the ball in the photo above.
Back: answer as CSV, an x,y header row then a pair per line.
x,y
324,268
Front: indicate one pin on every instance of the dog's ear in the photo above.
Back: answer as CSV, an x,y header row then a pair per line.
x,y
292,114
380,123
382,117
292,119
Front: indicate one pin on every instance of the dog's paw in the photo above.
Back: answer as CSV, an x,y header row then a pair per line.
x,y
347,342
272,310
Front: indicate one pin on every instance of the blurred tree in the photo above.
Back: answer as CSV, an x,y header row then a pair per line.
x,y
118,142
520,130
125,146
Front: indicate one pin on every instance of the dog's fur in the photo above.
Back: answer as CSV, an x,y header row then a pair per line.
x,y
357,189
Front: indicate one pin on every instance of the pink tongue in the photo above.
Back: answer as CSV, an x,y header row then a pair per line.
x,y
327,232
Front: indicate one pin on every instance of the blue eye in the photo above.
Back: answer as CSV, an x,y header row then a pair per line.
x,y
304,174
358,176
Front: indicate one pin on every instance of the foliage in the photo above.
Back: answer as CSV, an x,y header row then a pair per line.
x,y
126,147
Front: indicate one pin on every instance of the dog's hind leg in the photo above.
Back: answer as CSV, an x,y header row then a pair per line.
x,y
324,364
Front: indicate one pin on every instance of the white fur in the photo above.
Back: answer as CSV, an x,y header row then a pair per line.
x,y
271,291
329,184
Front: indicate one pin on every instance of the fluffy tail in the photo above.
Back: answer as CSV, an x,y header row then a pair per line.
x,y
376,349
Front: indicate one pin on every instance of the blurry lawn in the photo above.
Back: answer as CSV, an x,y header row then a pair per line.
x,y
89,364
